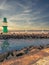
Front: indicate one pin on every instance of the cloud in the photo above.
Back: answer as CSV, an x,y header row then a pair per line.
x,y
4,6
25,13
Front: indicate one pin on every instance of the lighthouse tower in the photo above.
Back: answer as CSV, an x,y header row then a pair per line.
x,y
5,29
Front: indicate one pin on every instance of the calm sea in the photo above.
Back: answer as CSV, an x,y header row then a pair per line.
x,y
18,44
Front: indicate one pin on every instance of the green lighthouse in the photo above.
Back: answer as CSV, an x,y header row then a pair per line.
x,y
5,29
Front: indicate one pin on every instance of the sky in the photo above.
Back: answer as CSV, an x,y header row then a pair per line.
x,y
25,14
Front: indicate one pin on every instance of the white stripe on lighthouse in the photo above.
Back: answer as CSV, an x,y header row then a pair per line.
x,y
4,24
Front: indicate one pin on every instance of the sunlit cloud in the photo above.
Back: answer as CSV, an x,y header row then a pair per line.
x,y
25,14
4,6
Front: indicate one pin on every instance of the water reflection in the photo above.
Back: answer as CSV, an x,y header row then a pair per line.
x,y
5,46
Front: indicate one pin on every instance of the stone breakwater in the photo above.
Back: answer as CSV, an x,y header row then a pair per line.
x,y
23,36
20,53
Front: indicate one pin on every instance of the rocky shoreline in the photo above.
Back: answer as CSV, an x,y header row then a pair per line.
x,y
19,53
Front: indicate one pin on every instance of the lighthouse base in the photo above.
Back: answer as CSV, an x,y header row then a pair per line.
x,y
5,30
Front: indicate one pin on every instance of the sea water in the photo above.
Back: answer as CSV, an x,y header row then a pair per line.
x,y
18,44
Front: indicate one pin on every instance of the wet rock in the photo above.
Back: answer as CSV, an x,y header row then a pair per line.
x,y
3,56
20,54
40,47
